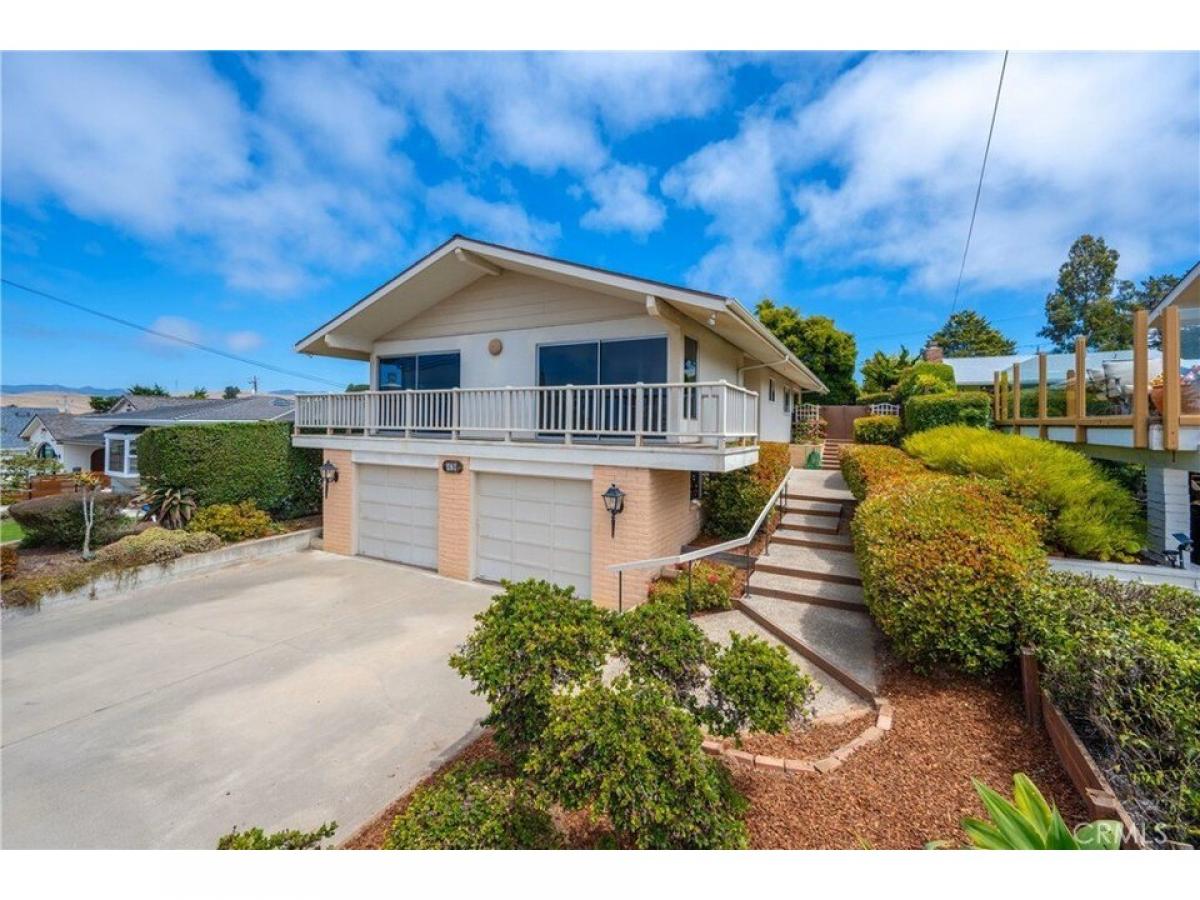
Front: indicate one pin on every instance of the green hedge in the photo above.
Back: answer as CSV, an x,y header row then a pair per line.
x,y
877,430
867,468
1122,660
1084,512
876,397
231,462
972,408
945,562
925,378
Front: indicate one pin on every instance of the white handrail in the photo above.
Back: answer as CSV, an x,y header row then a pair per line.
x,y
693,555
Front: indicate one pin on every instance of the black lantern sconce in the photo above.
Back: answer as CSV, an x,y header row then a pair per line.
x,y
329,474
614,502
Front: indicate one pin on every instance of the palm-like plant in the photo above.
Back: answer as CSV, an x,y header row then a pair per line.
x,y
1028,822
171,506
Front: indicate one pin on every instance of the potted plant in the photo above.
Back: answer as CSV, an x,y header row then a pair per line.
x,y
1189,390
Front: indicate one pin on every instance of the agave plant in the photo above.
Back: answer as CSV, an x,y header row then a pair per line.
x,y
1028,822
170,506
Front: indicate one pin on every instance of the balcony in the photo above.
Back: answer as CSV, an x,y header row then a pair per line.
x,y
713,416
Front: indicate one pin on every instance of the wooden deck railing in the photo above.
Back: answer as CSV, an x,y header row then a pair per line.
x,y
1007,391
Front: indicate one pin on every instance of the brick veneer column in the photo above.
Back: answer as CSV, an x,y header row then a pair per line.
x,y
338,507
454,521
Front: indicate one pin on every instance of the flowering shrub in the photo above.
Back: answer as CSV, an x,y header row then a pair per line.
x,y
809,431
712,587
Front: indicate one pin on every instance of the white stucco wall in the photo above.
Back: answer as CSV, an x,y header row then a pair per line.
x,y
72,456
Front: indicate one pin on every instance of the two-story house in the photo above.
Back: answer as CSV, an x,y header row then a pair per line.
x,y
511,392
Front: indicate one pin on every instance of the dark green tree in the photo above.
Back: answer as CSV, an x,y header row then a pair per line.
x,y
199,393
967,333
882,370
141,390
102,404
231,392
1085,301
830,353
357,388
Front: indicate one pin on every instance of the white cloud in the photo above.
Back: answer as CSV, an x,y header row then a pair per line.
x,y
623,202
172,327
243,341
499,221
880,169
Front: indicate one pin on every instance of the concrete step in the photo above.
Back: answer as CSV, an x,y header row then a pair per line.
x,y
817,484
847,639
810,562
817,508
807,590
832,697
818,523
835,543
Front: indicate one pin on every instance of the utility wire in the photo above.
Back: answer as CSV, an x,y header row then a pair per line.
x,y
169,337
979,188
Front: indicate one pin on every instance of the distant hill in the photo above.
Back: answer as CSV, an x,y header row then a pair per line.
x,y
86,389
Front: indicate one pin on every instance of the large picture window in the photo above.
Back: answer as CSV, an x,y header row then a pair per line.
x,y
625,361
420,371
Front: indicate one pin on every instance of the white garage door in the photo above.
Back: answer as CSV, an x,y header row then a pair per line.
x,y
534,528
397,514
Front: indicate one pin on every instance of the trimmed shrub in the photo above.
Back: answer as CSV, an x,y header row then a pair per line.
x,y
58,521
659,642
877,430
1084,512
229,462
232,522
732,502
1122,661
712,587
8,561
256,839
474,807
755,687
868,468
533,639
629,753
925,378
873,397
944,563
774,460
972,408
156,545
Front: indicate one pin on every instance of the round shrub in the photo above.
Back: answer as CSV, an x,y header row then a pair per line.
x,y
755,687
711,588
925,378
58,521
156,545
732,502
659,642
473,807
877,430
533,639
232,522
868,468
1085,513
971,408
944,564
630,753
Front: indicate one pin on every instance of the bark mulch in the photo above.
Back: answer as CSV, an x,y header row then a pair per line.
x,y
912,787
915,785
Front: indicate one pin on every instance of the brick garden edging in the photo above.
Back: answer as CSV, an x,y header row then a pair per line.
x,y
884,714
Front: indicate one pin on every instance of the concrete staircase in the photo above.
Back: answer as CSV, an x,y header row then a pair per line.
x,y
831,453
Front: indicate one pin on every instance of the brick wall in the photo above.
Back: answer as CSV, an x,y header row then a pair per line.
x,y
338,509
659,518
454,521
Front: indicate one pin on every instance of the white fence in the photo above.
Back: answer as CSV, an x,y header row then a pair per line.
x,y
884,409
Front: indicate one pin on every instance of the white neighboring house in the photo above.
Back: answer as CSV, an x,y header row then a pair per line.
x,y
514,397
77,442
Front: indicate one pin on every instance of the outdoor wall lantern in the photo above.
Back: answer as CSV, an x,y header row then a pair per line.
x,y
614,502
329,474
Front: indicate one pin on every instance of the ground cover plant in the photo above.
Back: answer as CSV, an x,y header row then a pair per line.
x,y
1083,511
256,839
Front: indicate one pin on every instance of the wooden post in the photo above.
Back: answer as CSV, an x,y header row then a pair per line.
x,y
1170,358
1031,687
1043,400
996,407
1080,388
1141,379
1016,391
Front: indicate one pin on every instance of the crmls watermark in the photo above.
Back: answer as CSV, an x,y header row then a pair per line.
x,y
1098,835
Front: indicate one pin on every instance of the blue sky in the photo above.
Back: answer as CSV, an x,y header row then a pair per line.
x,y
242,199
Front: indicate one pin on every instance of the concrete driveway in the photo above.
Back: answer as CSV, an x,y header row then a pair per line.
x,y
277,693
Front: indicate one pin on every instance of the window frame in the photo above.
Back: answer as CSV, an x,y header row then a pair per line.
x,y
771,390
129,457
416,358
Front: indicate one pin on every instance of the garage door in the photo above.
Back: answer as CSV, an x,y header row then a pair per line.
x,y
397,514
534,528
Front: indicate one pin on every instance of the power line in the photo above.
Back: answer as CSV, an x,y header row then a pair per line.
x,y
979,188
170,337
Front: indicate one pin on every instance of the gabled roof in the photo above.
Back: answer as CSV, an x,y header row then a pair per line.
x,y
255,408
461,261
67,428
1186,293
13,420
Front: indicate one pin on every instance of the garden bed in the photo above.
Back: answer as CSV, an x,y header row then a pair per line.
x,y
910,788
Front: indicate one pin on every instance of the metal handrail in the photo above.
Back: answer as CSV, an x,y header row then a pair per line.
x,y
693,555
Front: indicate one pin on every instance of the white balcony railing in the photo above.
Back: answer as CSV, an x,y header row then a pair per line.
x,y
709,413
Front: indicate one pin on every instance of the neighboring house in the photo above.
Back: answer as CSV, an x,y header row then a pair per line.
x,y
13,420
510,390
77,442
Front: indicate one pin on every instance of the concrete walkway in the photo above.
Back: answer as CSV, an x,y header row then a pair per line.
x,y
279,693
